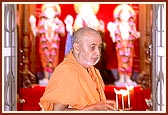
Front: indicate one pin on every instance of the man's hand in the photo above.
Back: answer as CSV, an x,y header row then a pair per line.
x,y
107,105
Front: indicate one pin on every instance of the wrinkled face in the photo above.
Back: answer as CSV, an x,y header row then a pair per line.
x,y
90,50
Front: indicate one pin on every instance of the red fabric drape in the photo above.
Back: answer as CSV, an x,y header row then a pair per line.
x,y
32,97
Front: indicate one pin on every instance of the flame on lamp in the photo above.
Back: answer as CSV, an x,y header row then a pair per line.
x,y
129,87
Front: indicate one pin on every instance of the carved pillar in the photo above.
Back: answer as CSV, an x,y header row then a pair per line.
x,y
28,78
159,57
145,27
9,58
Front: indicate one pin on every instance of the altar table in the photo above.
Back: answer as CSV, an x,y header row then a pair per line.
x,y
32,97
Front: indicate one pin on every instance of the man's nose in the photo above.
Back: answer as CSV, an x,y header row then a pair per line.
x,y
97,51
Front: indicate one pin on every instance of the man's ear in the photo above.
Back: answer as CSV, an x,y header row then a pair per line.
x,y
76,46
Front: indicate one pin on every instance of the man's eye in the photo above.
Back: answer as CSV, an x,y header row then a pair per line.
x,y
92,48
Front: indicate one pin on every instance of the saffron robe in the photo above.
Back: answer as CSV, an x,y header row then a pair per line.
x,y
70,84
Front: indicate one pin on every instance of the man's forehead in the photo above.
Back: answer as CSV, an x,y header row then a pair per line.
x,y
92,40
87,34
91,35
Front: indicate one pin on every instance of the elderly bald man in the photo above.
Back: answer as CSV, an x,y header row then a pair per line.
x,y
76,84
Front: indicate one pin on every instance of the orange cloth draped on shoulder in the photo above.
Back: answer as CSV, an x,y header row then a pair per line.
x,y
71,84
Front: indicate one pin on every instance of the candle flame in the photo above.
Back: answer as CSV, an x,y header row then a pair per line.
x,y
121,91
130,87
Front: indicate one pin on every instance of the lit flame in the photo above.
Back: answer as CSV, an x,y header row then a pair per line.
x,y
121,91
130,87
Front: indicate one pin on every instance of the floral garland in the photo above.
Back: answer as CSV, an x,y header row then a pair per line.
x,y
124,52
48,45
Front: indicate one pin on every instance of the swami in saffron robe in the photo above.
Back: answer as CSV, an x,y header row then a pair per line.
x,y
71,84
